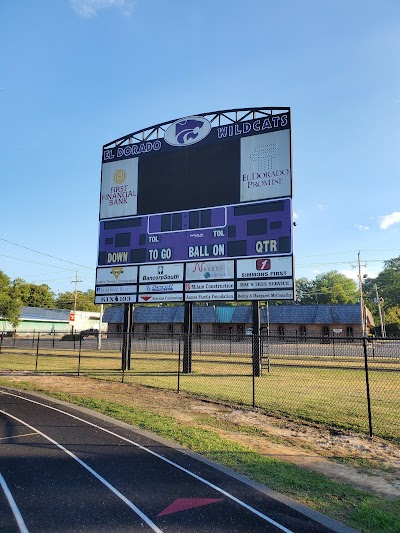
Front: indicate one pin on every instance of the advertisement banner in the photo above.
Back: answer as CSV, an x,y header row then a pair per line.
x,y
161,287
210,270
161,273
215,296
265,284
118,275
167,297
116,289
119,185
209,286
265,166
264,295
117,299
265,267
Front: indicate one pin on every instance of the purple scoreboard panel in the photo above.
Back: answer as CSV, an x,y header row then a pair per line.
x,y
218,232
211,187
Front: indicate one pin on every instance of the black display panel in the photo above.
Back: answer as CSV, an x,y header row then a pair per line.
x,y
190,178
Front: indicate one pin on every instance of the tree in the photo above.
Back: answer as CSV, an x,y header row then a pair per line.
x,y
392,320
304,291
84,301
388,282
330,288
33,295
10,305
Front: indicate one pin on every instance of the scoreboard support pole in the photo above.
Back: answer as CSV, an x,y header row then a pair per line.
x,y
187,338
126,341
256,340
130,329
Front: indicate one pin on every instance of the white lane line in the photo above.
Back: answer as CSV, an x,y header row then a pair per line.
x,y
155,454
13,505
93,472
17,436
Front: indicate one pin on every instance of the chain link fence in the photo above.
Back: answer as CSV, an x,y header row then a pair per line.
x,y
349,383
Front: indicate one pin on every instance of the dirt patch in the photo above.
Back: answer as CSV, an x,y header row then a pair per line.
x,y
373,465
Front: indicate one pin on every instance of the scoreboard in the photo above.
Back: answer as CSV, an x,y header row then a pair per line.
x,y
192,197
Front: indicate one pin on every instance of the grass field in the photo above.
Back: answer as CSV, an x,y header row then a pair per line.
x,y
325,390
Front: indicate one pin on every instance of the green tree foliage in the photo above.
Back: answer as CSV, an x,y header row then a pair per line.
x,y
392,320
388,282
33,295
84,301
329,288
10,305
387,285
304,293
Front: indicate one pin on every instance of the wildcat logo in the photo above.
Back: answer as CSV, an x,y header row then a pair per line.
x,y
187,131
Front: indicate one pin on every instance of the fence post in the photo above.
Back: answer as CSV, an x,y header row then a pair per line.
x,y
37,352
79,354
367,385
253,366
179,365
1,340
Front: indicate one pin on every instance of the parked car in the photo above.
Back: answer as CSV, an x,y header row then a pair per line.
x,y
89,332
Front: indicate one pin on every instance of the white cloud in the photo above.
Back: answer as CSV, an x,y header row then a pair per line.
x,y
89,8
389,220
321,207
352,274
361,227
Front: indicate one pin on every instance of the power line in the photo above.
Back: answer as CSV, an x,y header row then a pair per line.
x,y
36,263
47,255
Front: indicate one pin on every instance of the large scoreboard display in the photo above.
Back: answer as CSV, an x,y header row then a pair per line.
x,y
198,209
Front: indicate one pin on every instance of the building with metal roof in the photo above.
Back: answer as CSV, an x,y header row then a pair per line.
x,y
304,320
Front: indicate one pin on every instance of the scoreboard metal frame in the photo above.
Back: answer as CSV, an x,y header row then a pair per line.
x,y
212,190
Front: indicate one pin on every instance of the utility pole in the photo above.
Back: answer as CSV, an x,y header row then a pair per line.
x,y
76,281
378,301
363,328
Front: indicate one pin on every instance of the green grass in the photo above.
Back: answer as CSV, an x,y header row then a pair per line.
x,y
329,391
365,512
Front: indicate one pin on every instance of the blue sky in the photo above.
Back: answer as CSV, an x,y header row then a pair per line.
x,y
76,74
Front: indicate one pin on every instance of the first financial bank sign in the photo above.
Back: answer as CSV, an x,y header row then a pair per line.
x,y
162,239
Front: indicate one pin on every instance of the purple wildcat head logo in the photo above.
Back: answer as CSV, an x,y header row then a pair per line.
x,y
187,131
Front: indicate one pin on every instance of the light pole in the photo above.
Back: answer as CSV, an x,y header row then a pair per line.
x,y
363,314
75,295
379,301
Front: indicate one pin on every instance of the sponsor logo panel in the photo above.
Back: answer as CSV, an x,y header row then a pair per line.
x,y
117,275
265,295
266,284
167,272
116,289
116,299
161,287
265,166
119,185
280,267
202,296
168,297
209,286
210,270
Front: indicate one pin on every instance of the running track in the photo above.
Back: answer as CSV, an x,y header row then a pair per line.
x,y
66,469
